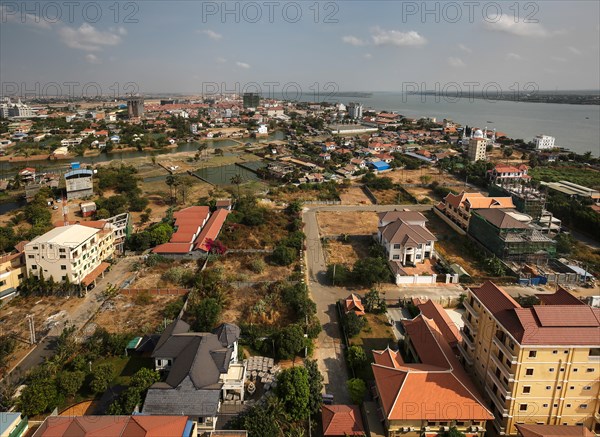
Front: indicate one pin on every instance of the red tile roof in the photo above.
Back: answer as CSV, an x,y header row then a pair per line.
x,y
91,277
560,297
173,248
353,303
542,324
553,431
342,420
112,426
435,311
211,229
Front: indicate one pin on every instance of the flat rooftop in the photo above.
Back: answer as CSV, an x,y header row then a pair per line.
x,y
70,236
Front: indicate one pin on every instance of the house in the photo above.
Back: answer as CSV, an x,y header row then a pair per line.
x,y
379,166
524,430
410,217
202,372
342,421
429,392
87,208
457,207
405,242
353,303
27,174
536,365
504,173
116,426
13,424
510,236
12,271
224,204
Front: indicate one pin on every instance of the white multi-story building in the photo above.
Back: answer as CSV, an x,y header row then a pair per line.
x,y
477,147
544,142
73,252
355,110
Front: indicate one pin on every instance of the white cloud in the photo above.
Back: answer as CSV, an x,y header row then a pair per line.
x,y
508,24
11,16
212,34
574,50
456,62
464,48
221,60
513,57
353,41
242,65
92,59
87,37
396,38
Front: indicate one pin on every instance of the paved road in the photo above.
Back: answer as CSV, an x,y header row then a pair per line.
x,y
78,318
329,352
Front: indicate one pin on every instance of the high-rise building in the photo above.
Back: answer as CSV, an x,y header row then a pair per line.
x,y
355,110
251,100
544,142
135,106
476,150
538,365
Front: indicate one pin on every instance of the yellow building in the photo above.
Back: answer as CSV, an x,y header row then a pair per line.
x,y
12,271
538,365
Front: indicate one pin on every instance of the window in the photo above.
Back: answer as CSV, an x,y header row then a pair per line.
x,y
396,246
589,369
558,387
418,256
562,369
568,405
64,278
2,283
594,352
575,369
554,352
62,250
20,276
551,369
532,354
63,256
30,256
34,267
555,405
523,407
526,389
528,372
545,405
63,267
548,387
583,406
587,387
396,257
572,387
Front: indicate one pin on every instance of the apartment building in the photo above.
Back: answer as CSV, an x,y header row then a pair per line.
x,y
12,271
538,365
458,207
73,252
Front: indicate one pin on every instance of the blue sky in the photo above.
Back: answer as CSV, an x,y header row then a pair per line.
x,y
357,45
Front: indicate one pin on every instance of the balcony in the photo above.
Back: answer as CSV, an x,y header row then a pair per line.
x,y
472,328
501,386
509,354
470,309
503,368
465,354
470,344
496,401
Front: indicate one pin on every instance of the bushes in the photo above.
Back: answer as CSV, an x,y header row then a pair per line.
x,y
101,377
289,342
284,255
356,357
133,395
357,390
374,303
207,313
377,183
257,265
179,275
353,324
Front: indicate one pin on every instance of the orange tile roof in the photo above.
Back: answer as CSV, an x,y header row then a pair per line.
x,y
437,388
173,248
342,420
477,201
353,303
112,426
211,229
435,311
91,277
388,358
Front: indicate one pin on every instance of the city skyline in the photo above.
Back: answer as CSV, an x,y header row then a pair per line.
x,y
185,47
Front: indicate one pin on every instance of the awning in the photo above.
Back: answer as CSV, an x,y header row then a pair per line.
x,y
91,277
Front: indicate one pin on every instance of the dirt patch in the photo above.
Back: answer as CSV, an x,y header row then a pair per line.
x,y
244,268
392,197
354,195
264,236
402,176
347,252
123,314
351,223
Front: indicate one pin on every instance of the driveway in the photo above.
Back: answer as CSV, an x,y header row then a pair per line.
x,y
78,317
329,348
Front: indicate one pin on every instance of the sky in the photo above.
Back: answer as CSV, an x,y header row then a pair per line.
x,y
318,47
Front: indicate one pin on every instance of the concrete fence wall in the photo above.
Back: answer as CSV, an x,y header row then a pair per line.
x,y
156,291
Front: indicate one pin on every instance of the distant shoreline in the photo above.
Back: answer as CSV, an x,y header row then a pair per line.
x,y
556,98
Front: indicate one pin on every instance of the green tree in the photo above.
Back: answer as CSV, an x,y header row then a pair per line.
x,y
370,271
101,377
237,181
338,274
160,233
315,385
494,266
284,255
293,389
69,383
357,390
356,357
353,324
374,303
564,243
290,341
39,396
144,378
263,420
7,347
454,432
207,313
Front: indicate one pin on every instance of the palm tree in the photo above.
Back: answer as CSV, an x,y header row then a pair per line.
x,y
237,180
170,181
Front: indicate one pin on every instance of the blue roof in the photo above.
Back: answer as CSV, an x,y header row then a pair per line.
x,y
81,171
7,419
380,165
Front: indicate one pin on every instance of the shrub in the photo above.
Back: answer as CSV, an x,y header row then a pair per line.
x,y
257,265
353,324
284,255
357,389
